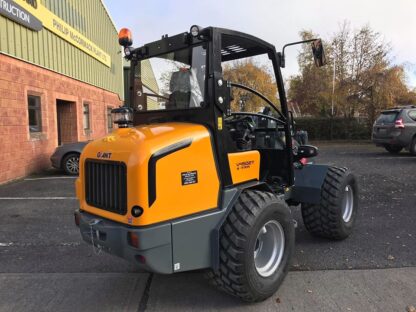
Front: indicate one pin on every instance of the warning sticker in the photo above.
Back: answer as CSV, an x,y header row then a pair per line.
x,y
189,177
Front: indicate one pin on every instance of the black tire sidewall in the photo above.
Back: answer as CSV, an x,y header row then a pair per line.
x,y
264,287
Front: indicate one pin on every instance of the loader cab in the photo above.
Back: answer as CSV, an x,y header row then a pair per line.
x,y
186,78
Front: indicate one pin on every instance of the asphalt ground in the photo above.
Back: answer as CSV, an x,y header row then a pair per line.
x,y
41,250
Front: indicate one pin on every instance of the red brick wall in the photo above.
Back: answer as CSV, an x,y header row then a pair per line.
x,y
20,152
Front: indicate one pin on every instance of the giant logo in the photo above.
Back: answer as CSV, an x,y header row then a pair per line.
x,y
105,155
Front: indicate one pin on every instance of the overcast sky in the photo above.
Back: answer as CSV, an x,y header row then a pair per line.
x,y
276,21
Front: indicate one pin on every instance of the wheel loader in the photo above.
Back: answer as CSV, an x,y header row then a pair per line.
x,y
189,182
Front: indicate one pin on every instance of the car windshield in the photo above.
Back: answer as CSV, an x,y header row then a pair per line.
x,y
174,80
387,117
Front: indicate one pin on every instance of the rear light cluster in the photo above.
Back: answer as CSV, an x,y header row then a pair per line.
x,y
399,124
133,239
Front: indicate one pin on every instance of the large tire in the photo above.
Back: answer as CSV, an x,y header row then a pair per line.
x,y
412,148
393,149
70,164
244,237
334,217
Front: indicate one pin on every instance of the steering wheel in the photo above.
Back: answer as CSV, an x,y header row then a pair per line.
x,y
241,129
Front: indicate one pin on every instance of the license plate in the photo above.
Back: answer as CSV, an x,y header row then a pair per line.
x,y
382,131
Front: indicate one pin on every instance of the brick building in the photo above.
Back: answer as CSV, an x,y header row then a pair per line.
x,y
60,75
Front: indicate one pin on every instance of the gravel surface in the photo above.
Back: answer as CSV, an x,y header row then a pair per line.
x,y
385,232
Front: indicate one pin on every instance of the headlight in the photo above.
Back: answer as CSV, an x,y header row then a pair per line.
x,y
195,30
123,116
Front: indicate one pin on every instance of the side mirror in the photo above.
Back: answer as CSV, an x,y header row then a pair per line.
x,y
318,53
306,151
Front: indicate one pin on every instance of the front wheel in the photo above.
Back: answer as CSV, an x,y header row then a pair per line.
x,y
335,215
256,245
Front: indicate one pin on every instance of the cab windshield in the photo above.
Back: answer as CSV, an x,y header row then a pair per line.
x,y
174,80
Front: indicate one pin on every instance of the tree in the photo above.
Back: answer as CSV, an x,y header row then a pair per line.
x,y
255,76
365,80
309,89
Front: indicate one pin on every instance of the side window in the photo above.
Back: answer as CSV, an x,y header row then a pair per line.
x,y
412,114
109,120
35,114
256,73
86,116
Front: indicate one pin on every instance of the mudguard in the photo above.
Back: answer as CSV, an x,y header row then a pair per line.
x,y
308,183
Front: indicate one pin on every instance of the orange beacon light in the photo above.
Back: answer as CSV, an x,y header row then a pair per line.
x,y
125,38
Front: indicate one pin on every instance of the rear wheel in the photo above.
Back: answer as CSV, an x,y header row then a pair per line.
x,y
412,148
256,245
334,217
394,149
70,164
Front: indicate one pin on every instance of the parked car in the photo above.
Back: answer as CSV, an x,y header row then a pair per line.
x,y
395,129
66,157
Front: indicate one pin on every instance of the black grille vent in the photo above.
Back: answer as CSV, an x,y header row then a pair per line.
x,y
106,185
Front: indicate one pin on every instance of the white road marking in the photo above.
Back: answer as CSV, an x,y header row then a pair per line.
x,y
29,244
37,198
400,157
48,178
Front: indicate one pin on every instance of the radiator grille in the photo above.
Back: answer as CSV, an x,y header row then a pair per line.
x,y
106,185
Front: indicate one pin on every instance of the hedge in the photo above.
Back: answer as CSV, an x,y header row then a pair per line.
x,y
323,128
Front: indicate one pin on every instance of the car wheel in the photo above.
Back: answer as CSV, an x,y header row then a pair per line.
x,y
412,148
70,164
394,149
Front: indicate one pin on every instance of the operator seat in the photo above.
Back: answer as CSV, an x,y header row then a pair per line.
x,y
180,88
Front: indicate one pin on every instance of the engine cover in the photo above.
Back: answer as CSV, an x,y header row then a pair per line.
x,y
168,170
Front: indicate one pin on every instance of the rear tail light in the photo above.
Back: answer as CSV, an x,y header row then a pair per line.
x,y
133,239
399,124
303,161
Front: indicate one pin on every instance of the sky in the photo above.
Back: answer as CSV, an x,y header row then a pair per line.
x,y
275,21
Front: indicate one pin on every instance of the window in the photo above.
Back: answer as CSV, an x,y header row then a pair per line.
x,y
173,80
412,114
35,116
387,117
86,116
109,119
247,64
256,73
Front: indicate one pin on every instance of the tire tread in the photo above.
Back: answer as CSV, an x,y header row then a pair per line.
x,y
322,219
234,233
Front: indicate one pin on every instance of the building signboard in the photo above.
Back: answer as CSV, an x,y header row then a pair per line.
x,y
15,12
34,15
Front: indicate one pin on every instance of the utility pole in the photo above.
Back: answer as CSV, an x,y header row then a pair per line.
x,y
333,85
